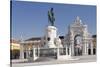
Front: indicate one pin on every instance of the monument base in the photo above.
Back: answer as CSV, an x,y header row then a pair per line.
x,y
66,57
51,34
49,45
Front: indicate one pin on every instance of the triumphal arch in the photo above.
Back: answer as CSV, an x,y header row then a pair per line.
x,y
78,39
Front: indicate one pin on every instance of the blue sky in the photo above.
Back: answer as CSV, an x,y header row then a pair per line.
x,y
29,19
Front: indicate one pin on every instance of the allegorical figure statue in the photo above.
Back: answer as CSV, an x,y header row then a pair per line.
x,y
51,17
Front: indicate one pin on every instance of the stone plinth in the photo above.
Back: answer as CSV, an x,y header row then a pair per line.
x,y
51,34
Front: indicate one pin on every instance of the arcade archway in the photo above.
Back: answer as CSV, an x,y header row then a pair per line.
x,y
78,45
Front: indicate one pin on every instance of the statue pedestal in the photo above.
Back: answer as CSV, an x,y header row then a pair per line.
x,y
51,34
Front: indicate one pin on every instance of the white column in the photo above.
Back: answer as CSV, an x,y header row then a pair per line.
x,y
34,56
91,48
66,51
57,53
72,48
21,51
38,51
27,54
85,47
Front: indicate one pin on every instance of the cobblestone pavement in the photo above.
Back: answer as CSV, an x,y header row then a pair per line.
x,y
47,61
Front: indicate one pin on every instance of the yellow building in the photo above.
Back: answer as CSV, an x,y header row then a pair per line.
x,y
15,46
14,49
